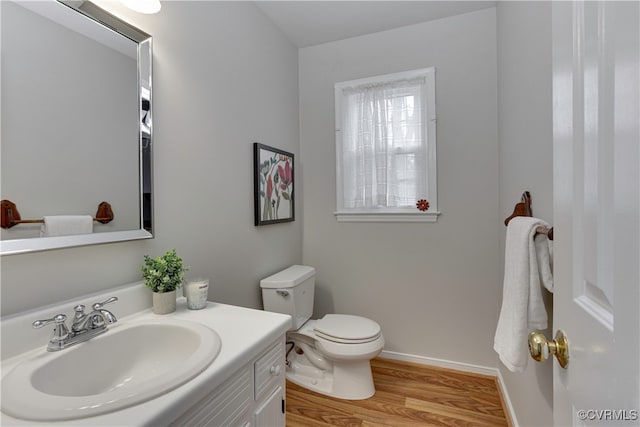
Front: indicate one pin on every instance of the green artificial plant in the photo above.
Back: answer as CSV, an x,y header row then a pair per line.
x,y
163,273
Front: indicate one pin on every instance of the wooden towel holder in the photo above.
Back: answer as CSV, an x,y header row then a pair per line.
x,y
10,215
523,208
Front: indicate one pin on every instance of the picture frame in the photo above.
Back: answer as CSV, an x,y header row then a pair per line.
x,y
273,177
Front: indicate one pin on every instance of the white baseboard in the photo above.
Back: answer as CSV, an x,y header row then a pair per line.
x,y
507,400
459,366
440,363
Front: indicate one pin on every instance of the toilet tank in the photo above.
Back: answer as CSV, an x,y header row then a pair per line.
x,y
290,291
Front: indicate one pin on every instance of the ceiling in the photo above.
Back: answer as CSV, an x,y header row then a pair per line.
x,y
308,23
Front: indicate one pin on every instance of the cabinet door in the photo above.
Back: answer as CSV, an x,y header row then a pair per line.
x,y
226,406
271,412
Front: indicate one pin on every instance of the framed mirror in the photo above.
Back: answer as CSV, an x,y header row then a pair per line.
x,y
76,125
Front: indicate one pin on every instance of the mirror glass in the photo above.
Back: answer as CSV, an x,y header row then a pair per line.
x,y
76,126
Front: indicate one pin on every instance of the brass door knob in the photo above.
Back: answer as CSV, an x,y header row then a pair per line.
x,y
540,348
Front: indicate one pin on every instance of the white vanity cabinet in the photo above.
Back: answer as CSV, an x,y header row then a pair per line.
x,y
254,396
244,386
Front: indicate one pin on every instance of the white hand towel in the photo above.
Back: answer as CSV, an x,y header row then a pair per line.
x,y
522,305
65,225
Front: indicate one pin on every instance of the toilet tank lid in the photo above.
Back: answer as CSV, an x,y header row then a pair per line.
x,y
288,278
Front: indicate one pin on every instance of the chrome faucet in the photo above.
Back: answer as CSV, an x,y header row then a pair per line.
x,y
98,318
84,326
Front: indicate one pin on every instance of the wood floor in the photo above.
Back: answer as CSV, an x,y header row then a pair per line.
x,y
407,395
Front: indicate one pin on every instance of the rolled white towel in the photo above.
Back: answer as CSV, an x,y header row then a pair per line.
x,y
65,225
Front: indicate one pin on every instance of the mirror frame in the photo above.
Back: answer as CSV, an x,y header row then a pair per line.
x,y
145,47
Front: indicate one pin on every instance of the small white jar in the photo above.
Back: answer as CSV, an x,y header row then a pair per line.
x,y
197,291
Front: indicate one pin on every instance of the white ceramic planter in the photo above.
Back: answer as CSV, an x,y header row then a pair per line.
x,y
164,302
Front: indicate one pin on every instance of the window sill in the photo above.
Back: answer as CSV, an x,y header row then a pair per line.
x,y
351,216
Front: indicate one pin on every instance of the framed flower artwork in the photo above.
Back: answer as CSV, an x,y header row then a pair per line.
x,y
273,185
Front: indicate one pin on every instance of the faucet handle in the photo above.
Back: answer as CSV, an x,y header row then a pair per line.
x,y
99,305
60,333
58,320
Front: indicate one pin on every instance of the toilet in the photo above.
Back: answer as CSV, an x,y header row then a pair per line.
x,y
329,355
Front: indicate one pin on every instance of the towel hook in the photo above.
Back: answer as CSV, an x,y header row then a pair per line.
x,y
523,208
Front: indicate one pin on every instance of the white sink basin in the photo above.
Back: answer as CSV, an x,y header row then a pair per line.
x,y
129,364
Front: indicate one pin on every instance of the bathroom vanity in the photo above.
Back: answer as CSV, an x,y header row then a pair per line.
x,y
243,386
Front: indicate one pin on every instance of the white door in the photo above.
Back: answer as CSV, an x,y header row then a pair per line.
x,y
596,117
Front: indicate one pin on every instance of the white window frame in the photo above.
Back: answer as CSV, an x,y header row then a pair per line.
x,y
392,214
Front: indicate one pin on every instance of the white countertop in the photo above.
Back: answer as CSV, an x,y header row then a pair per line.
x,y
244,333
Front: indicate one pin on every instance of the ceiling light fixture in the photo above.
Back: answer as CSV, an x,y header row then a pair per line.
x,y
143,6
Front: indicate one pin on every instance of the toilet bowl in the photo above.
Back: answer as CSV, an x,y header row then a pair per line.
x,y
330,355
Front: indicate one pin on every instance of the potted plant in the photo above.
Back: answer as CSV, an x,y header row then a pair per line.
x,y
163,275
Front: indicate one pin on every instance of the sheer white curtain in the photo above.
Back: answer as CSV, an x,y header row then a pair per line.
x,y
384,145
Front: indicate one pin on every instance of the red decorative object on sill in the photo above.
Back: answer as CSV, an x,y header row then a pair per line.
x,y
422,205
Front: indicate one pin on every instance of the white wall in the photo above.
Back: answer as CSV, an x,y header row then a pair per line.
x,y
526,163
432,287
224,77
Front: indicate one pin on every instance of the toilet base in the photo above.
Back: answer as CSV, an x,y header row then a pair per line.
x,y
350,380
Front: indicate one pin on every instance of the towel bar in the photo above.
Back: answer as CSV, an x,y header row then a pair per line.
x,y
10,216
523,208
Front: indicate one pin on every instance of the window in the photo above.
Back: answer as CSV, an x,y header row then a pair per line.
x,y
386,147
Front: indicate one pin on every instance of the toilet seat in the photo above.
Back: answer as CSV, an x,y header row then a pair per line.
x,y
349,351
347,329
